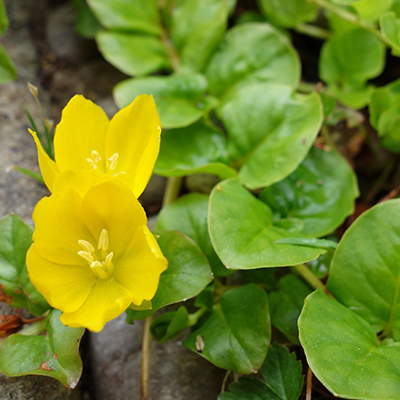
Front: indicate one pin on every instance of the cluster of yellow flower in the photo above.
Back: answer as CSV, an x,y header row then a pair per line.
x,y
92,253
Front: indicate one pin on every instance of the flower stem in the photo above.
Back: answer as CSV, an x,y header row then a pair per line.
x,y
350,17
313,31
309,277
171,193
327,137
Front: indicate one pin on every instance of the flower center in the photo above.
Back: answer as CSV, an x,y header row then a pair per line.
x,y
100,261
96,158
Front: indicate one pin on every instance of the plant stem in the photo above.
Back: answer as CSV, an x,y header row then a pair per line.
x,y
327,137
352,18
306,87
309,384
380,181
35,328
309,277
225,380
171,193
314,31
146,353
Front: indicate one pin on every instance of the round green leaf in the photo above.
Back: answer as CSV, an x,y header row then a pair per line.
x,y
371,9
55,354
343,352
288,13
189,215
87,24
390,28
271,129
321,192
188,273
352,58
197,148
252,53
8,71
128,15
365,270
243,235
180,98
229,340
133,54
197,28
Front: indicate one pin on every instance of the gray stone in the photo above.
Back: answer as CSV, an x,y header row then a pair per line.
x,y
176,372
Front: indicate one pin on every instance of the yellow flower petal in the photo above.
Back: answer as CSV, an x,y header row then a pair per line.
x,y
81,131
112,206
64,287
48,167
140,268
106,301
59,226
134,134
82,181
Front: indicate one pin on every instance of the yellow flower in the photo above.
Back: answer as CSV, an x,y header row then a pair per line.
x,y
89,149
93,255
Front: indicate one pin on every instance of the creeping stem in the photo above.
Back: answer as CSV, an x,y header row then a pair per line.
x,y
309,277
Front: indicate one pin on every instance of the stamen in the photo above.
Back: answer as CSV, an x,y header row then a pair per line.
x,y
112,161
108,260
103,240
91,163
86,246
96,156
86,255
98,270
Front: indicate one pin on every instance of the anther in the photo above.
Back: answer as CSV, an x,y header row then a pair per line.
x,y
103,240
86,246
98,270
108,260
86,255
96,156
112,161
91,163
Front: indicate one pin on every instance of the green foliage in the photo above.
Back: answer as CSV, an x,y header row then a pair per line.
x,y
187,275
283,379
3,18
53,354
87,24
15,240
390,27
226,337
8,71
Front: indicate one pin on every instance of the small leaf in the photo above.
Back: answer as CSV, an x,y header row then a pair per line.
x,y
128,15
371,9
321,192
87,24
343,352
288,13
133,54
15,240
390,28
3,18
187,275
271,129
189,215
230,342
198,148
55,354
316,243
8,71
243,235
180,98
286,304
252,53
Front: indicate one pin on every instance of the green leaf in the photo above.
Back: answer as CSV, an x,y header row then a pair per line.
x,y
243,235
189,215
282,373
390,28
355,96
345,2
286,304
317,243
180,98
3,18
371,9
128,15
352,58
288,13
8,71
187,275
271,129
133,54
342,349
321,192
365,270
198,148
197,28
87,24
321,266
55,354
230,342
170,325
15,240
252,53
